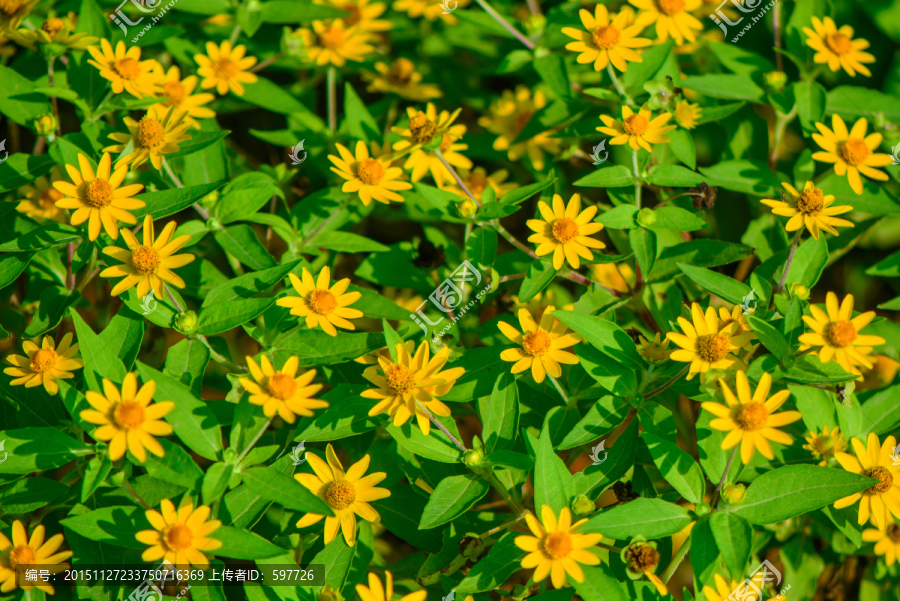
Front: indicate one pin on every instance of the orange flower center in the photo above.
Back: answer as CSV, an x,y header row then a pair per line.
x,y
606,37
641,557
565,229
840,333
129,415
880,473
127,68
150,132
340,494
175,91
536,343
671,7
558,544
145,260
52,26
893,533
839,43
855,151
322,302
43,360
49,197
227,67
332,38
811,201
179,537
370,171
712,347
635,125
446,142
401,72
824,445
751,416
399,379
281,386
21,555
421,128
99,193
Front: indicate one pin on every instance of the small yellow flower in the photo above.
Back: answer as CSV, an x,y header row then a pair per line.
x,y
423,127
281,391
364,14
507,117
54,30
34,551
477,181
225,68
421,162
836,334
882,500
179,93
687,114
811,208
322,306
887,542
539,303
45,364
158,133
347,493
837,48
376,591
606,42
884,370
851,152
641,558
126,70
401,78
619,277
741,327
638,130
826,444
565,231
334,44
428,9
655,351
557,547
706,343
370,177
541,345
722,591
672,18
182,536
40,198
12,11
385,353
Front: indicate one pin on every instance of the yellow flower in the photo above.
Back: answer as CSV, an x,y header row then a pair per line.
x,y
539,303
750,418
507,117
672,18
180,537
401,78
98,198
836,334
638,130
874,461
149,265
655,351
606,42
363,14
368,176
40,198
477,181
157,134
180,95
225,68
741,327
423,127
826,444
641,559
541,345
565,231
687,114
428,9
54,30
722,592
851,152
385,592
557,547
385,353
334,44
837,48
619,277
12,11
883,372
322,306
887,542
421,162
411,385
125,70
810,208
706,343
35,551
347,493
281,391
45,364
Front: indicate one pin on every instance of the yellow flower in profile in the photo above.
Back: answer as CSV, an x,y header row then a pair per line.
x,y
370,177
565,231
606,42
125,69
428,9
687,115
45,364
638,130
281,391
363,14
99,199
322,306
882,500
423,127
334,44
477,181
811,208
826,444
722,591
149,265
883,371
541,345
181,537
422,162
655,351
385,353
836,334
225,68
851,152
620,277
39,198
347,493
750,419
54,30
158,133
401,78
12,11
672,18
557,547
741,327
411,385
706,343
837,48
887,542
179,94
376,591
539,303
34,551
508,115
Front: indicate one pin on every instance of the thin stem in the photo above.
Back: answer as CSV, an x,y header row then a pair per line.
x,y
512,240
90,276
253,442
674,379
70,256
562,392
441,427
534,8
676,561
518,35
584,281
437,152
174,300
513,276
134,495
492,480
787,264
676,196
332,98
219,358
781,123
171,173
725,473
776,32
609,548
637,179
234,34
259,67
504,526
619,88
53,100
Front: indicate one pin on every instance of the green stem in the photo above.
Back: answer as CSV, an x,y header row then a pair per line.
x,y
441,427
637,179
174,300
253,442
619,88
787,265
731,457
562,392
515,32
492,480
676,561
134,495
219,358
332,98
674,379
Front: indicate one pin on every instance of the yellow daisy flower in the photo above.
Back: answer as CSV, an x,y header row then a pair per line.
x,y
672,18
99,198
423,127
750,418
539,303
507,117
125,69
655,351
157,134
722,591
180,537
149,265
837,48
638,130
385,592
616,276
334,44
881,501
363,14
641,558
385,353
368,176
421,162
811,208
45,364
39,198
557,547
281,391
706,343
687,114
54,30
401,78
606,42
34,551
826,444
412,385
541,345
347,493
741,327
884,370
322,306
565,231
477,181
225,68
836,334
851,152
179,93
428,9
887,542
12,11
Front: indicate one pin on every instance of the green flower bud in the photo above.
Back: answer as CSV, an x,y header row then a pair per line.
x,y
46,124
800,291
734,493
465,208
329,593
701,509
775,80
473,457
646,217
583,506
471,546
229,455
186,322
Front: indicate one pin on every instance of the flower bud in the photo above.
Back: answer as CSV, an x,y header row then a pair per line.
x,y
473,457
46,124
583,506
329,593
471,546
701,509
733,493
646,217
800,291
186,322
775,80
465,208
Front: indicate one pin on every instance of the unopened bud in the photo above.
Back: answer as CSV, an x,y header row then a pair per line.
x,y
646,217
471,546
46,124
775,80
733,493
329,593
701,509
186,322
800,291
583,506
466,208
473,457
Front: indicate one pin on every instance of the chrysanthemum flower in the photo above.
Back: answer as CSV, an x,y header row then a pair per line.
x,y
412,385
477,181
281,391
874,461
826,444
741,327
44,364
428,9
334,44
180,537
179,93
507,117
322,306
370,177
127,419
836,334
887,542
687,115
883,371
385,353
565,231
125,69
98,198
655,351
638,130
851,152
157,134
39,198
347,493
557,547
423,127
421,162
541,345
811,208
225,68
401,78
54,30
705,343
750,419
35,551
672,18
837,48
606,42
617,276
641,558
149,265
722,591
363,14
385,592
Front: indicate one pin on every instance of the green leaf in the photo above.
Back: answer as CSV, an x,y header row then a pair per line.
x,y
435,446
97,471
720,285
771,338
733,538
99,361
704,551
215,481
651,518
553,483
337,558
653,59
520,195
29,494
42,237
168,202
187,361
600,584
348,417
552,69
240,242
269,95
481,246
401,513
452,497
604,335
674,176
643,243
622,217
285,490
176,466
249,284
681,143
199,140
295,11
618,378
493,570
604,416
614,176
222,317
811,98
495,210
677,467
123,335
20,169
18,100
882,410
54,304
729,87
740,60
699,253
742,175
243,201
37,449
238,543
675,218
12,266
483,365
315,347
712,114
500,415
809,262
357,119
114,525
857,101
346,242
540,274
